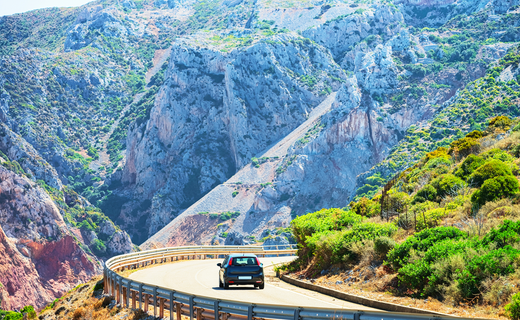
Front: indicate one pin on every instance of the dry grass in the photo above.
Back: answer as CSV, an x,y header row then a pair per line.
x,y
85,303
379,286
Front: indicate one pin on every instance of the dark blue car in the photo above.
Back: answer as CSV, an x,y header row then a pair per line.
x,y
239,269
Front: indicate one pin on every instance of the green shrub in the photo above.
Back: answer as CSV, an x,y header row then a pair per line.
x,y
335,246
505,234
446,184
490,169
420,242
430,218
468,166
98,246
465,146
495,188
428,192
321,221
498,154
31,314
366,207
383,245
502,122
512,309
437,163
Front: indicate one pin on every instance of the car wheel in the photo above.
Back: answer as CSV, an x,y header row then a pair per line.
x,y
261,286
256,286
220,285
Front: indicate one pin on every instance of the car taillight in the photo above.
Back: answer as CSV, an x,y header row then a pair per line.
x,y
230,261
257,261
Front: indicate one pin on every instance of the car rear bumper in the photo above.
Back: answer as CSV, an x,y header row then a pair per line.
x,y
235,280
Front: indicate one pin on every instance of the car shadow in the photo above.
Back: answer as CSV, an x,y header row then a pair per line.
x,y
236,288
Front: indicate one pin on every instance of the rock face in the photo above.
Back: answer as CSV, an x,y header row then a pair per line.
x,y
214,113
331,150
41,260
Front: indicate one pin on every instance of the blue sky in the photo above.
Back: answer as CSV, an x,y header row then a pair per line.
x,y
8,7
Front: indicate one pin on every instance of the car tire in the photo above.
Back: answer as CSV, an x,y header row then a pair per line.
x,y
256,286
261,286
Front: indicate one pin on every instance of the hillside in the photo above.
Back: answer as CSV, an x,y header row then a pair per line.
x,y
446,230
175,122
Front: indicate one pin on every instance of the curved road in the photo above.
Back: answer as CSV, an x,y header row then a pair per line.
x,y
200,277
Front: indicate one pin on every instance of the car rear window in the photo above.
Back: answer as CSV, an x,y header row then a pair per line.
x,y
244,261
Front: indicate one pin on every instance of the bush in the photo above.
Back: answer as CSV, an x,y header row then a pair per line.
x,y
335,246
468,166
430,218
383,245
421,241
321,221
366,208
446,184
502,122
464,147
498,154
428,192
513,309
490,169
507,233
98,246
495,188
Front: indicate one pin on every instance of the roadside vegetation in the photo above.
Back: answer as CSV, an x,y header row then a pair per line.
x,y
446,229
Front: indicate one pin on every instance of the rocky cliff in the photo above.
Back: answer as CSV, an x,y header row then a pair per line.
x,y
41,257
394,77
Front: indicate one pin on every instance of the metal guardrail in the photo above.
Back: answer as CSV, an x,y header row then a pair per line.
x,y
129,293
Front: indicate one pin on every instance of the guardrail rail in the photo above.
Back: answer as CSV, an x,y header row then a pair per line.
x,y
135,294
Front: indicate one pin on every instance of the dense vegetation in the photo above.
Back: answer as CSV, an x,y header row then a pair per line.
x,y
483,97
448,227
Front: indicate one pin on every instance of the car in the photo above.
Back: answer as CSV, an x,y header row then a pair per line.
x,y
241,269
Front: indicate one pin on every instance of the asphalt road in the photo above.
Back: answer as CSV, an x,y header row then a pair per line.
x,y
200,277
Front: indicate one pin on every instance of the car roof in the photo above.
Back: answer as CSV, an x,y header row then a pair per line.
x,y
248,255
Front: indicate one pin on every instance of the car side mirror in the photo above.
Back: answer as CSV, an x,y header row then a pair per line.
x,y
219,264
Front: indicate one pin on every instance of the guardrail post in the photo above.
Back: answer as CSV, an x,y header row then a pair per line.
x,y
216,309
133,299
297,314
141,296
105,285
155,301
128,291
199,313
119,293
125,297
113,286
171,305
191,308
146,301
178,310
250,312
161,308
357,315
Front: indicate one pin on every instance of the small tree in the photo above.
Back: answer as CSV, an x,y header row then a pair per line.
x,y
513,309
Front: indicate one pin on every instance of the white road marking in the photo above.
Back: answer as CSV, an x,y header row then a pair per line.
x,y
332,304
